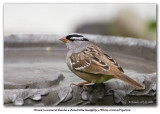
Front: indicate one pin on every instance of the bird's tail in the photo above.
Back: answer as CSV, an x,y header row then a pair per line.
x,y
129,81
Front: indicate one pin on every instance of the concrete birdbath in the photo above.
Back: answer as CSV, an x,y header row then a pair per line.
x,y
35,75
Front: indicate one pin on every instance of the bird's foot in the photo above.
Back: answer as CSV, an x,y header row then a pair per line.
x,y
82,85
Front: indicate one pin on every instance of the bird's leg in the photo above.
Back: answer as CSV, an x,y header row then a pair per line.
x,y
82,84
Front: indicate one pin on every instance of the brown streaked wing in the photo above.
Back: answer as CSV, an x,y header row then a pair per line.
x,y
89,64
114,62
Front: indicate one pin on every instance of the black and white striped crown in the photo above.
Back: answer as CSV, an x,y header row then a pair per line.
x,y
76,37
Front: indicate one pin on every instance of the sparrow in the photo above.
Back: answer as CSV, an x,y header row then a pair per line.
x,y
91,63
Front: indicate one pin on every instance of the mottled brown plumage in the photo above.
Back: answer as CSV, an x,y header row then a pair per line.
x,y
93,65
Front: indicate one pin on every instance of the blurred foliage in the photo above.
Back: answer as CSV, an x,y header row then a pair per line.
x,y
139,29
152,25
126,24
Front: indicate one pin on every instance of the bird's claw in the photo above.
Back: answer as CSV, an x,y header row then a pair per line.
x,y
81,85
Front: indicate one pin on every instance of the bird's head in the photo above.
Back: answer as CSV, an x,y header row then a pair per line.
x,y
74,40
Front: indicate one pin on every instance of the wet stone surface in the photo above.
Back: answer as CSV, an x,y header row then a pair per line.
x,y
30,77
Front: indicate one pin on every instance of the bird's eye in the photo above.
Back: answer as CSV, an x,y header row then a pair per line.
x,y
84,39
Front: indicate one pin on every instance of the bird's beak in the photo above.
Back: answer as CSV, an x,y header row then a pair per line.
x,y
63,40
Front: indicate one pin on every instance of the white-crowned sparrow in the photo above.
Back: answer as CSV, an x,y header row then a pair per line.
x,y
91,63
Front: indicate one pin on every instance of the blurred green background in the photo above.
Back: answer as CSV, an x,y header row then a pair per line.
x,y
128,20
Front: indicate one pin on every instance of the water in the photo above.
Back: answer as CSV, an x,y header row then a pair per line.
x,y
20,62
